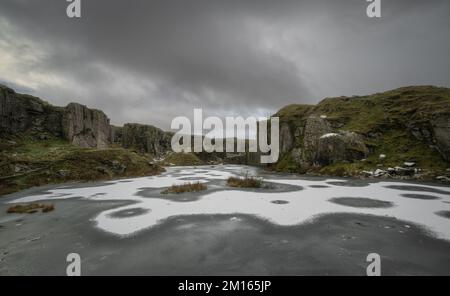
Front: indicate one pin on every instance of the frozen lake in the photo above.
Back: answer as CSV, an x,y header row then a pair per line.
x,y
284,202
292,226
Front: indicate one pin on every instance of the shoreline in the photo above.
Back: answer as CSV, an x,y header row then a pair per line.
x,y
262,170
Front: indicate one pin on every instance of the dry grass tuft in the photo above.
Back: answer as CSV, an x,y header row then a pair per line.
x,y
245,182
188,187
30,208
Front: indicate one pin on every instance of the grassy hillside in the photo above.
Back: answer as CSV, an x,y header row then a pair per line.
x,y
386,120
182,159
27,163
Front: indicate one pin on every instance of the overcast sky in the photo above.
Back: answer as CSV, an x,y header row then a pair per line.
x,y
148,61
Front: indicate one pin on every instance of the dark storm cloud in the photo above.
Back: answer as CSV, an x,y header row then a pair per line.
x,y
149,61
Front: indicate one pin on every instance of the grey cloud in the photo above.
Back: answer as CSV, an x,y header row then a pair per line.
x,y
148,61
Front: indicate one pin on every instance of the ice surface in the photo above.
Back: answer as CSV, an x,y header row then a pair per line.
x,y
302,206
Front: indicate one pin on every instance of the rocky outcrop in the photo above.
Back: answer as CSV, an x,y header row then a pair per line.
x,y
441,131
319,145
286,138
145,138
20,114
315,127
24,115
310,140
410,124
116,134
341,146
435,132
84,127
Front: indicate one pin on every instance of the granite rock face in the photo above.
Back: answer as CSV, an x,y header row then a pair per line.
x,y
84,127
319,145
441,134
435,132
315,127
286,138
410,123
20,114
145,138
341,146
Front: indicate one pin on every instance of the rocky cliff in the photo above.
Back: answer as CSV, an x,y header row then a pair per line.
x,y
338,136
384,130
145,138
86,127
23,115
43,144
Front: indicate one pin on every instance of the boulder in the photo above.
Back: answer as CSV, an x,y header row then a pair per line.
x,y
404,171
315,127
341,146
379,173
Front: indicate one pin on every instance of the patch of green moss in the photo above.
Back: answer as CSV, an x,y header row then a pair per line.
x,y
36,163
182,159
400,147
342,169
391,109
286,164
293,112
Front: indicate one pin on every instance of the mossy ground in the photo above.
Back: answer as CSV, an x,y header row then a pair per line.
x,y
27,163
182,159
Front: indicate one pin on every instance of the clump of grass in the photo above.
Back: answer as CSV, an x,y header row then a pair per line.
x,y
48,208
245,182
30,208
187,187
